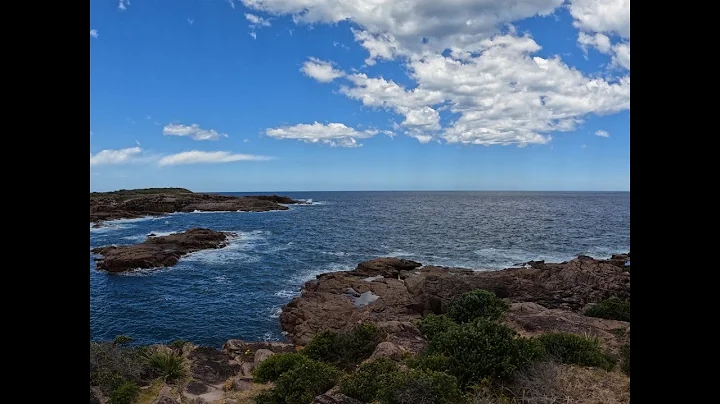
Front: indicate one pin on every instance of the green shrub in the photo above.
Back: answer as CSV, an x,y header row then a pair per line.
x,y
432,325
273,367
301,384
436,362
477,304
168,365
344,350
111,365
484,349
625,354
419,387
124,394
575,349
366,381
612,308
122,339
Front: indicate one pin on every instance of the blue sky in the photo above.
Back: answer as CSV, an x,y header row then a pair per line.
x,y
311,95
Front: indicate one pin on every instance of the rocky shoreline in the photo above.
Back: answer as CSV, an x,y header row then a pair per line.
x,y
135,203
162,251
394,294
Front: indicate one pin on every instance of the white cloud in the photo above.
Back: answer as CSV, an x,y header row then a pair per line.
x,y
610,16
197,157
117,156
460,23
334,134
492,87
602,133
620,52
256,20
597,19
193,131
122,4
599,41
232,3
94,33
253,35
321,71
191,21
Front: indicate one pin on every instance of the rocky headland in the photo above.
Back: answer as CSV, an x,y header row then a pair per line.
x,y
393,292
158,251
134,203
394,296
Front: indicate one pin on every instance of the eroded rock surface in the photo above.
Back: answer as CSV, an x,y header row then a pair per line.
x,y
161,251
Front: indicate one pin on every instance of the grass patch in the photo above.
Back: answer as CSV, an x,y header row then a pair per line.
x,y
167,365
612,308
625,355
574,349
549,382
125,393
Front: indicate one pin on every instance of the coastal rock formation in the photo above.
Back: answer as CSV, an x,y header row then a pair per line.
x,y
128,204
161,251
397,291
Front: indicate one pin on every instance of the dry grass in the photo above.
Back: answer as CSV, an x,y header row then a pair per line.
x,y
150,393
246,397
551,383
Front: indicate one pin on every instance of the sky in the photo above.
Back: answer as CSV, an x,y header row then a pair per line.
x,y
325,95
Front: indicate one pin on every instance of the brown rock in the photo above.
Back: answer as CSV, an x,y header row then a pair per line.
x,y
531,319
241,384
387,350
261,355
165,400
333,396
246,368
158,251
405,292
210,366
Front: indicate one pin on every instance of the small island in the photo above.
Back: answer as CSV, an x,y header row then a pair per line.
x,y
135,203
162,251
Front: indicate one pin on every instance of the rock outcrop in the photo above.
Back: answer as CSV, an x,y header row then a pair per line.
x,y
392,291
161,251
128,204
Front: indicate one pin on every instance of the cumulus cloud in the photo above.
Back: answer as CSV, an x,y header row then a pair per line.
x,y
334,134
122,4
94,33
114,156
256,20
404,24
467,62
598,20
609,16
602,133
198,157
193,131
321,71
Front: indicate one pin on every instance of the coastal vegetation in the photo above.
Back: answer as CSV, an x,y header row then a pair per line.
x,y
474,348
612,308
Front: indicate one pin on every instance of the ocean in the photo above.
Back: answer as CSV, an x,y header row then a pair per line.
x,y
237,291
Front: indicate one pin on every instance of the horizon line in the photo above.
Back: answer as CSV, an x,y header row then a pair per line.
x,y
381,190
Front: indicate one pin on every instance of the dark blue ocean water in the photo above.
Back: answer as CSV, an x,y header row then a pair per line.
x,y
237,292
